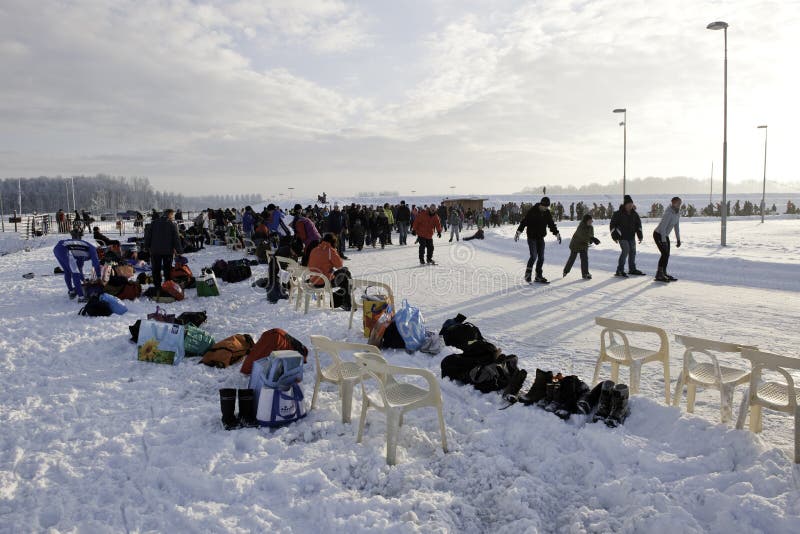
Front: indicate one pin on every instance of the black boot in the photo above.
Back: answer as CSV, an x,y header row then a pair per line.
x,y
590,399
619,406
227,401
514,385
539,388
552,396
605,402
247,408
569,391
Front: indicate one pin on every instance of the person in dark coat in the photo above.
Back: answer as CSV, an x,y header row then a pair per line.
x,y
537,221
336,224
403,219
163,241
626,227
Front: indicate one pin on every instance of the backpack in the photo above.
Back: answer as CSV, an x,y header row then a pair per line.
x,y
269,342
130,291
460,335
494,376
182,274
237,273
95,307
171,288
476,354
196,342
228,351
219,267
392,338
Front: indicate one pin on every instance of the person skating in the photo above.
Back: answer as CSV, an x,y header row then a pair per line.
x,y
425,223
403,219
670,220
454,220
537,221
579,245
626,226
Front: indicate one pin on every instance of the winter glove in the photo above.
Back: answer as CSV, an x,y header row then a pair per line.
x,y
439,235
595,241
558,237
678,244
516,236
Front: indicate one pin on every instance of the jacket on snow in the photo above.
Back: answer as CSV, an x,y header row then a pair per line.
x,y
537,222
162,238
625,225
426,223
670,220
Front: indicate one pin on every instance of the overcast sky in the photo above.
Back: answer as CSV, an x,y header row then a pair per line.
x,y
490,96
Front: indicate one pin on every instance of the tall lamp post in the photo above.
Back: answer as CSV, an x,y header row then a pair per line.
x,y
719,25
624,125
764,187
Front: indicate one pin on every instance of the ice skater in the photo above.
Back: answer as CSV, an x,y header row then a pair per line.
x,y
626,226
425,224
71,254
537,220
579,245
670,220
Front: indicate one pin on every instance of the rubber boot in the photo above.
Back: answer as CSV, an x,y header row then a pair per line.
x,y
619,408
247,408
539,388
552,396
605,403
227,401
514,385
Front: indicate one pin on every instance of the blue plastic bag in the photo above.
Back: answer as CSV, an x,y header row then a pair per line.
x,y
116,305
411,326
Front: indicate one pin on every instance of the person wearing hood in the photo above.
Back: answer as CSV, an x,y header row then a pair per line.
x,y
579,245
626,227
670,220
326,262
537,221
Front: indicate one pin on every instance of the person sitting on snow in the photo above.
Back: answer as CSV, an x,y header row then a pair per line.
x,y
99,236
71,254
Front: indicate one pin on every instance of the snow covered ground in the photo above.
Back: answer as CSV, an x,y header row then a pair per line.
x,y
93,441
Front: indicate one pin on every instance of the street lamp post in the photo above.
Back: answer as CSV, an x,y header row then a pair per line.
x,y
719,25
624,125
290,191
764,186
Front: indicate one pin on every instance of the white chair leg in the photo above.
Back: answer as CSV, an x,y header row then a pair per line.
x,y
316,393
615,373
597,368
690,396
636,377
666,382
726,403
743,409
797,434
363,421
755,418
308,300
442,428
352,312
346,394
392,435
297,300
676,397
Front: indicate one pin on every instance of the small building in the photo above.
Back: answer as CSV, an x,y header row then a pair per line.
x,y
466,203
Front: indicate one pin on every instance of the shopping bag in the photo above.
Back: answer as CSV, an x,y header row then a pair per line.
x,y
411,326
160,343
278,408
196,341
372,307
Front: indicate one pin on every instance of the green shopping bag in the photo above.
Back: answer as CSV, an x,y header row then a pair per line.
x,y
196,341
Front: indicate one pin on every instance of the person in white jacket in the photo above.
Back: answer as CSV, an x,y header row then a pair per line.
x,y
670,220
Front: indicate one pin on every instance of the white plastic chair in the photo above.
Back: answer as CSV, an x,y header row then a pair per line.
x,y
344,374
625,354
709,374
291,267
307,289
233,243
778,396
355,297
396,398
249,245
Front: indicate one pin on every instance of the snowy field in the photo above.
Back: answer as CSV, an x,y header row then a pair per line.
x,y
94,441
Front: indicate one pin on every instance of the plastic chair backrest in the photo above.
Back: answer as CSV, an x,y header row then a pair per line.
x,y
773,362
357,283
336,348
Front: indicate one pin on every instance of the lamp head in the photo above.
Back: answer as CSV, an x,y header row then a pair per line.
x,y
718,25
762,126
620,110
622,123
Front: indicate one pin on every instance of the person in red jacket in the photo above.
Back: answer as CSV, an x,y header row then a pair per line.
x,y
425,223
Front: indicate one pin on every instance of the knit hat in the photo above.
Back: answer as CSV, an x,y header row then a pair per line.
x,y
545,202
627,200
298,208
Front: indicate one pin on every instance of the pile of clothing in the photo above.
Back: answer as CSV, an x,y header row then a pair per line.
x,y
486,368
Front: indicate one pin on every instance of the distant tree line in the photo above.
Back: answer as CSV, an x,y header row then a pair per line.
x,y
654,185
104,194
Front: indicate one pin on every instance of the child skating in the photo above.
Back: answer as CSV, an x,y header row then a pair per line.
x,y
579,245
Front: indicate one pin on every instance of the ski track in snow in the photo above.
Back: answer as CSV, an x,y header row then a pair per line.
x,y
94,441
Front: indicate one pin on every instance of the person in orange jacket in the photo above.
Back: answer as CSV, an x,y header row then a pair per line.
x,y
425,223
325,260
